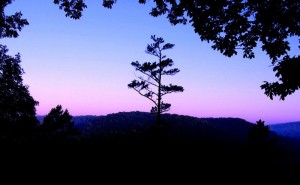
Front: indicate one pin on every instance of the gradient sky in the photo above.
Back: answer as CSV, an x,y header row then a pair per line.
x,y
84,65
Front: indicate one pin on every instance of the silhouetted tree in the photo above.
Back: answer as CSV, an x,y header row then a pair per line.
x,y
262,146
288,72
153,73
58,121
233,25
17,107
10,25
258,134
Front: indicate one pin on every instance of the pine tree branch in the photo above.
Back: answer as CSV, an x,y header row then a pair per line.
x,y
150,76
141,78
145,96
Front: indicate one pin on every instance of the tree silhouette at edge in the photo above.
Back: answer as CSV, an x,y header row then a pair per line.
x,y
17,106
10,25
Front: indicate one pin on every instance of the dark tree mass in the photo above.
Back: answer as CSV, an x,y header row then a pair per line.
x,y
153,73
10,25
17,107
232,26
259,133
58,123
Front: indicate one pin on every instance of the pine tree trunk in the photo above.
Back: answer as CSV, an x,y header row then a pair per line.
x,y
158,117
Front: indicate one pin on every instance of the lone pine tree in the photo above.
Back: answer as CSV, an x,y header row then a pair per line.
x,y
150,84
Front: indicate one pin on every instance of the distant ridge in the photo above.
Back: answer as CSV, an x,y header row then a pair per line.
x,y
223,129
188,127
290,129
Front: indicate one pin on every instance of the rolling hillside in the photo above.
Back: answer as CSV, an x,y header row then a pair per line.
x,y
178,126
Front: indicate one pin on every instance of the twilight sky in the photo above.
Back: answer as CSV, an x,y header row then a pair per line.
x,y
84,65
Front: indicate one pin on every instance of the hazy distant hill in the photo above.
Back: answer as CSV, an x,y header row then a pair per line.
x,y
78,120
291,129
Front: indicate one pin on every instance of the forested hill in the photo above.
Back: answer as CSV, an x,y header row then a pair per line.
x,y
178,126
216,140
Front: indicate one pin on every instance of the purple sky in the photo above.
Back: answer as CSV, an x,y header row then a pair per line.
x,y
84,65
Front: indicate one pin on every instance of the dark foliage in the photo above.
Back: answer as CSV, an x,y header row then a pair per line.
x,y
263,144
125,140
153,73
240,25
73,8
288,72
210,139
10,25
58,122
259,133
17,107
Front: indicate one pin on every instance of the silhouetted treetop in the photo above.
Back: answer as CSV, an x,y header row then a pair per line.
x,y
72,8
232,26
259,133
58,120
10,25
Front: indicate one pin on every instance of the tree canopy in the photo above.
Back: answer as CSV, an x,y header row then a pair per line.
x,y
58,120
10,26
259,133
233,26
17,107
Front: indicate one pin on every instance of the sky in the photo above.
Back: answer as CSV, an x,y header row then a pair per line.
x,y
84,65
